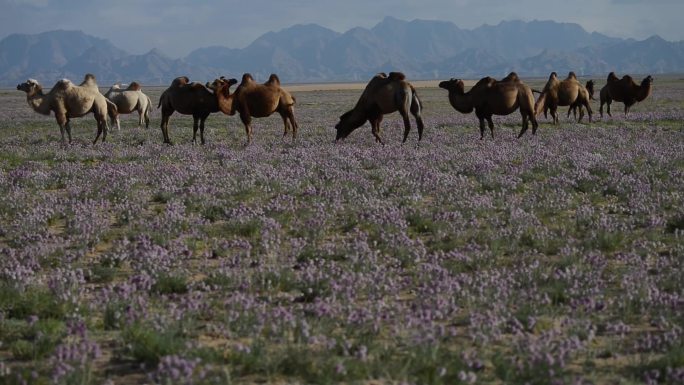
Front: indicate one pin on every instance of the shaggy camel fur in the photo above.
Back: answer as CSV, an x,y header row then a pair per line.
x,y
569,92
188,99
68,101
491,97
129,100
383,95
624,90
254,100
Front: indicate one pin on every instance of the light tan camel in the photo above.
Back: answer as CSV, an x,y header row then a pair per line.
x,y
254,100
490,97
624,90
129,100
569,92
188,99
589,86
383,95
68,101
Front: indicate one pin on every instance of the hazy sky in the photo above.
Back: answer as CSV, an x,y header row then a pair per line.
x,y
177,27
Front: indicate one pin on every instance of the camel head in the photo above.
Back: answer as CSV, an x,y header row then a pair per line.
x,y
31,87
349,121
221,85
453,85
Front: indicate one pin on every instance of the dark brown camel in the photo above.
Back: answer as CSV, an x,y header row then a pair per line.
x,y
188,99
383,95
624,90
254,100
490,97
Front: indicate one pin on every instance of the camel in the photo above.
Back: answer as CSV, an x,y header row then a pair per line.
x,y
188,99
589,86
490,97
254,100
624,90
129,100
569,92
383,95
68,101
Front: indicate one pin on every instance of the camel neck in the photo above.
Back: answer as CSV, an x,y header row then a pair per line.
x,y
39,102
462,102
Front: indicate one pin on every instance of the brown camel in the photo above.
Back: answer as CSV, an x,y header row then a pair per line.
x,y
383,95
589,86
569,92
254,100
68,101
624,90
490,97
188,99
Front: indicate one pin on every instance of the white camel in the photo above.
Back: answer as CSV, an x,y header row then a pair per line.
x,y
129,100
68,101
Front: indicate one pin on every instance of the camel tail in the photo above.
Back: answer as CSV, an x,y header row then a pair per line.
x,y
112,110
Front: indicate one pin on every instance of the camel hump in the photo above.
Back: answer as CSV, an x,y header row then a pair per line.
x,y
484,80
134,86
381,75
571,75
180,81
397,76
62,84
273,80
512,77
247,78
612,77
628,79
553,75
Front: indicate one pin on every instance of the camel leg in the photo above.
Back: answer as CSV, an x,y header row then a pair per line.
x,y
608,108
407,124
68,129
202,120
286,123
166,115
195,126
482,128
375,127
415,111
491,125
293,122
533,119
589,111
105,128
61,121
99,132
247,121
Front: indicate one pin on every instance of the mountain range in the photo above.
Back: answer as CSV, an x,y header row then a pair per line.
x,y
422,49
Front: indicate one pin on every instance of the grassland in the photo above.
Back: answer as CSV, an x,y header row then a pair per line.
x,y
554,259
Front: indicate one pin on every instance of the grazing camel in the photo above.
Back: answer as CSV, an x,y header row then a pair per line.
x,y
254,100
68,101
383,95
188,99
569,92
129,100
491,97
624,90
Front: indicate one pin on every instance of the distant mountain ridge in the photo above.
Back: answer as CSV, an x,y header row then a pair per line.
x,y
423,49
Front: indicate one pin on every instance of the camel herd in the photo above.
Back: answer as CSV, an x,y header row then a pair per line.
x,y
384,94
